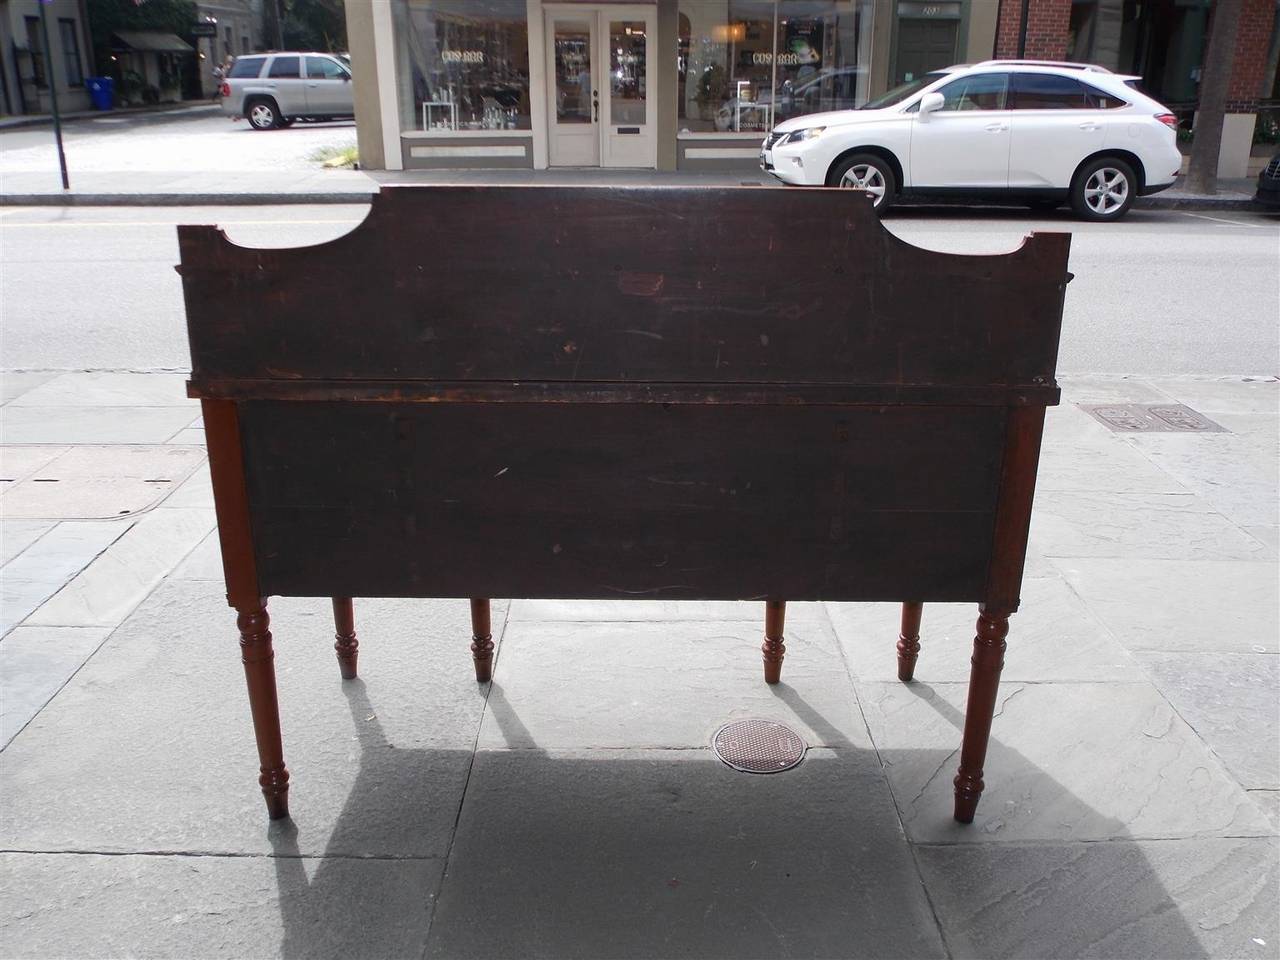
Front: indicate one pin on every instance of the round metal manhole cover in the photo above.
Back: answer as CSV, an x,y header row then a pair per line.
x,y
758,746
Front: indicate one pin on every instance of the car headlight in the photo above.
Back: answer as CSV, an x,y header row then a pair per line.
x,y
808,133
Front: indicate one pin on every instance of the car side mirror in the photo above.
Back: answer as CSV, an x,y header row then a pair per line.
x,y
929,103
346,77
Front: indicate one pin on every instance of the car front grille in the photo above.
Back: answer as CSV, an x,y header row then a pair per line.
x,y
773,138
1272,170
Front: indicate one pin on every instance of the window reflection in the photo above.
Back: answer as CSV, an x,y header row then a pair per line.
x,y
463,64
727,79
627,79
574,93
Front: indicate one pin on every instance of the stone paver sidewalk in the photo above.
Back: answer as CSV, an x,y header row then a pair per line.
x,y
572,808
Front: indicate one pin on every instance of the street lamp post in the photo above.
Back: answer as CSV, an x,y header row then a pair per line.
x,y
53,92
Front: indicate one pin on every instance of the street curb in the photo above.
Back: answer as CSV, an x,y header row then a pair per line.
x,y
178,199
1198,203
1236,203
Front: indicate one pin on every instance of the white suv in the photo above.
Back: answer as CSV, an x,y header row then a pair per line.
x,y
1029,130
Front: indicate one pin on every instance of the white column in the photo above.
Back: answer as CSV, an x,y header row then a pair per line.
x,y
537,82
384,55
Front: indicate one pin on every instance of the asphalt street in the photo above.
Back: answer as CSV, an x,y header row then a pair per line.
x,y
193,139
1165,293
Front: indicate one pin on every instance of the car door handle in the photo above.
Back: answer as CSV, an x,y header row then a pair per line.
x,y
1089,125
996,127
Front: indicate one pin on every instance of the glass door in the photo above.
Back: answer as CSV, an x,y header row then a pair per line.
x,y
574,111
628,138
600,112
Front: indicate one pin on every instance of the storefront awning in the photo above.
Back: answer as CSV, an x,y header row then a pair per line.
x,y
149,41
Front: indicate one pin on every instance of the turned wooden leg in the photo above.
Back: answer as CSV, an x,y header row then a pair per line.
x,y
909,640
260,675
775,611
984,681
481,641
346,644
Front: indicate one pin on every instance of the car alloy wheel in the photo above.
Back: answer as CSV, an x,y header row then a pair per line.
x,y
864,176
262,116
1106,190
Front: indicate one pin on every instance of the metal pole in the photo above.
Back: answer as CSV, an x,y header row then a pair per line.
x,y
53,92
1022,31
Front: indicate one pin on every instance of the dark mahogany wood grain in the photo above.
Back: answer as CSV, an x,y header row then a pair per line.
x,y
728,285
345,643
677,393
909,640
773,648
481,640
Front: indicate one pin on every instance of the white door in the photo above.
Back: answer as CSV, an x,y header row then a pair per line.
x,y
573,108
599,111
966,143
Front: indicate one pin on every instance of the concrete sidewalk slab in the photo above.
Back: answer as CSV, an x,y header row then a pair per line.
x,y
1052,639
378,766
1180,898
632,700
1077,761
1229,699
1187,606
667,853
182,906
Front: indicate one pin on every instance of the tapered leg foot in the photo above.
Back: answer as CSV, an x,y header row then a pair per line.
x,y
775,611
260,675
481,641
984,682
346,644
909,640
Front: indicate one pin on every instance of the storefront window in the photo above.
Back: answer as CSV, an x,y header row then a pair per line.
x,y
728,80
463,64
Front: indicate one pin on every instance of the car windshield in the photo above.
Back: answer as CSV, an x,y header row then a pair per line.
x,y
901,92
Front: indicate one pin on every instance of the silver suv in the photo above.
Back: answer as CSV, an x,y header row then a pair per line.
x,y
273,90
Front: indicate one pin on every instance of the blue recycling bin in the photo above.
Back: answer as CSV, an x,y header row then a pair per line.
x,y
102,92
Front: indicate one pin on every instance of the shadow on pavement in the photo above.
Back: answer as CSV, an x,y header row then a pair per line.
x,y
648,853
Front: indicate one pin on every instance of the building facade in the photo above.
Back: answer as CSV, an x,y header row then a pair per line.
x,y
236,27
29,73
662,84
1163,42
693,84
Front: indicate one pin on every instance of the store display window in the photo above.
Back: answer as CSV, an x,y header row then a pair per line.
x,y
746,65
463,65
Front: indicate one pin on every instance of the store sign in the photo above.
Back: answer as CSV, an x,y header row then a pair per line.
x,y
462,56
784,59
932,11
205,29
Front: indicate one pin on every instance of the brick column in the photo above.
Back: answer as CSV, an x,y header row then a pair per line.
x,y
1248,76
1047,24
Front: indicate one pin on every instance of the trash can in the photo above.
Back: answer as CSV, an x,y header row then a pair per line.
x,y
102,92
